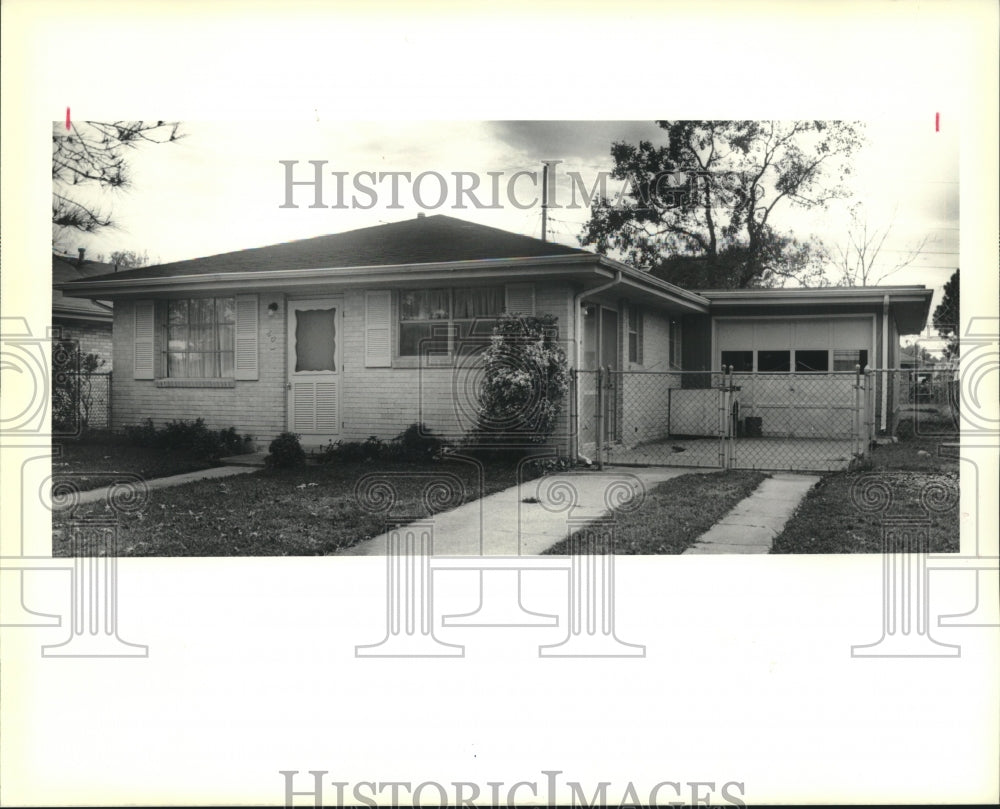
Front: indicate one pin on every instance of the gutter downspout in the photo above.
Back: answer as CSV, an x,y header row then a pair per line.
x,y
577,341
885,361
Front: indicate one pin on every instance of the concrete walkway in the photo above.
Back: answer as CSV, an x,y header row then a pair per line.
x,y
96,495
752,525
501,524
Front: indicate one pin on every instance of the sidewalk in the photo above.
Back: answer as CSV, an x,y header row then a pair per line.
x,y
501,524
752,525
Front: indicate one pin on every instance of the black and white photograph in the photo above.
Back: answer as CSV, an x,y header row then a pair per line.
x,y
585,429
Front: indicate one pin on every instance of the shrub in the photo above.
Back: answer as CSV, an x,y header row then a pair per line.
x,y
417,443
285,452
525,381
192,438
232,442
141,435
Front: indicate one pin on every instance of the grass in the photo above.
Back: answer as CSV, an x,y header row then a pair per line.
x,y
307,511
830,521
676,513
88,463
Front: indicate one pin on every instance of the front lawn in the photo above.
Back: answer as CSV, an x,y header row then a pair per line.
x,y
829,521
676,513
87,464
307,511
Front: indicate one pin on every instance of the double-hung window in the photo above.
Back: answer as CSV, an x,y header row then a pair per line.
x,y
448,321
200,338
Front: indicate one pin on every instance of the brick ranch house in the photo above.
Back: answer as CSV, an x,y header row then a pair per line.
x,y
322,336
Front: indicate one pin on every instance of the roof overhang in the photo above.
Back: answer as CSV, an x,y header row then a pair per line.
x,y
586,269
909,305
89,317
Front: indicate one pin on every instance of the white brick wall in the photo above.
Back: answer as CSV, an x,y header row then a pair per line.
x,y
374,401
256,408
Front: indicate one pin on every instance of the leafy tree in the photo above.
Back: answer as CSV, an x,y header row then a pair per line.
x,y
946,315
702,204
92,155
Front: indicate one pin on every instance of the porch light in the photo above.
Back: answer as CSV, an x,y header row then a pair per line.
x,y
272,309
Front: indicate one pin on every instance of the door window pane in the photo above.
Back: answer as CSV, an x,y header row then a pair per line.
x,y
316,340
590,326
609,338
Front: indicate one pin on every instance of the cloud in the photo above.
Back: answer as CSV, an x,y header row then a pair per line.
x,y
580,141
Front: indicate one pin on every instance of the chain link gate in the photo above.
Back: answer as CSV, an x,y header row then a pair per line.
x,y
726,420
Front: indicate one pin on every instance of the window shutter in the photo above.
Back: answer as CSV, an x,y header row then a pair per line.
x,y
246,362
521,299
143,340
378,328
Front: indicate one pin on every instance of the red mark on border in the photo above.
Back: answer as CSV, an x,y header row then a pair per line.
x,y
937,121
67,117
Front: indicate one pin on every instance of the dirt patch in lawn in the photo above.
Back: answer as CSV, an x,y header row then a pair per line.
x,y
835,517
304,512
676,513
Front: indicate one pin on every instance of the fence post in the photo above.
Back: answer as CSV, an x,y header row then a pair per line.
x,y
856,449
599,418
725,418
573,443
869,408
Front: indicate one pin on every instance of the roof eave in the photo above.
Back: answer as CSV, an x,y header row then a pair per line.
x,y
566,265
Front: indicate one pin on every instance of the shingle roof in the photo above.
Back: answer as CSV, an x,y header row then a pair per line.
x,y
421,240
66,269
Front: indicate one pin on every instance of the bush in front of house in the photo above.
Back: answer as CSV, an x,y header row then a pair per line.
x,y
285,452
524,385
416,443
190,437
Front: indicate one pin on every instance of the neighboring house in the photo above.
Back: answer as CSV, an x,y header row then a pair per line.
x,y
323,336
86,323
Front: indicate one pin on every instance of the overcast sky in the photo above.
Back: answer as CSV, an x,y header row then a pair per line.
x,y
221,187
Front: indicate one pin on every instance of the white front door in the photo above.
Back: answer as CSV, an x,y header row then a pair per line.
x,y
315,342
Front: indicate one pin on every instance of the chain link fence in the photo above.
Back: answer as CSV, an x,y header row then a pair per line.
x,y
925,397
80,402
789,421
